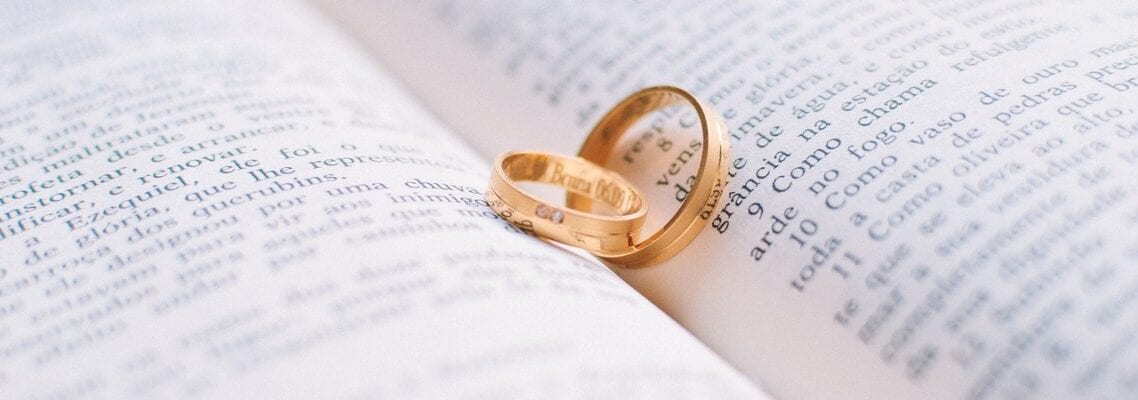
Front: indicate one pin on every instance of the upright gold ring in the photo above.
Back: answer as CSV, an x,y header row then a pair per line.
x,y
706,190
602,235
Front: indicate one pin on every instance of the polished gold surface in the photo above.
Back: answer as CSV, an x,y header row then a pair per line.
x,y
706,191
602,235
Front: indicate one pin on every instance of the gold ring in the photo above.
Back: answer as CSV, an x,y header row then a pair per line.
x,y
599,234
707,188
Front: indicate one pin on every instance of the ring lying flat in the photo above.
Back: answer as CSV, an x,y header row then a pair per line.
x,y
602,235
707,188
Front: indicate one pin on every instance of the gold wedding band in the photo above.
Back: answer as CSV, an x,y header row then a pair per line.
x,y
706,190
599,234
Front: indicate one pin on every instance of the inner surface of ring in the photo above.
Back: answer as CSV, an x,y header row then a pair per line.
x,y
575,175
600,146
629,115
704,190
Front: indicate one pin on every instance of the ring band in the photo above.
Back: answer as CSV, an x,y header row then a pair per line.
x,y
706,190
599,234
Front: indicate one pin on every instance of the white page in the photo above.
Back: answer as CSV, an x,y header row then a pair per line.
x,y
225,199
1013,252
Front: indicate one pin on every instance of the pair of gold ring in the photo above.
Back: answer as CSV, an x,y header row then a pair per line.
x,y
612,238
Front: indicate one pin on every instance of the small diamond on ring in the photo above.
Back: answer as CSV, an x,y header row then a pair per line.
x,y
543,211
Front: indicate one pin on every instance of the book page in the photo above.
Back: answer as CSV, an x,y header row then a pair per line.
x,y
227,199
926,199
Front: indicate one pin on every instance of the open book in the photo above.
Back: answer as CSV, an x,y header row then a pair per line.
x,y
250,199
